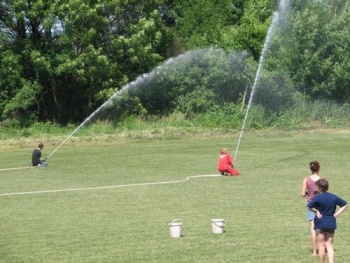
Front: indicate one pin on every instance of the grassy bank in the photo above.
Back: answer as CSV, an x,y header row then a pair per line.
x,y
303,117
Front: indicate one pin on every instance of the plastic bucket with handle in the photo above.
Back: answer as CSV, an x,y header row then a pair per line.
x,y
175,228
217,226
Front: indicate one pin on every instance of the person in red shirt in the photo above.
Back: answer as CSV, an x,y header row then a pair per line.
x,y
225,165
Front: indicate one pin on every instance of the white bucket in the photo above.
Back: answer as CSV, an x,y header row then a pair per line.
x,y
217,226
175,228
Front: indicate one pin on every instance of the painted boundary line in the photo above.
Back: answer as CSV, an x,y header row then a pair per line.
x,y
17,168
107,187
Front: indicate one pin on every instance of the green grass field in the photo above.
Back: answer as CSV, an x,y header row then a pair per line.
x,y
265,217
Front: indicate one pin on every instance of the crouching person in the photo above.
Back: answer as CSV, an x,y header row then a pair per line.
x,y
36,156
225,165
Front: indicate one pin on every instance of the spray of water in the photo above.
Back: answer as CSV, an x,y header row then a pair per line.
x,y
147,78
188,59
276,19
143,78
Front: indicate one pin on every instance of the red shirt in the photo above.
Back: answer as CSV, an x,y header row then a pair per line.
x,y
225,161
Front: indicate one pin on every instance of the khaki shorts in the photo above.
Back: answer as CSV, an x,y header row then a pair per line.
x,y
330,231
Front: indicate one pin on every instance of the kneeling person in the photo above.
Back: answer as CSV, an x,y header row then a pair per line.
x,y
225,165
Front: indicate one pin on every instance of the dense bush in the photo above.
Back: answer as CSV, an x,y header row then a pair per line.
x,y
303,115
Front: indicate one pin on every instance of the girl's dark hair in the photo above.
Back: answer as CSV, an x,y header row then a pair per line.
x,y
314,166
322,184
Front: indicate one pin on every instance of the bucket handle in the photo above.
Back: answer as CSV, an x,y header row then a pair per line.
x,y
214,222
174,221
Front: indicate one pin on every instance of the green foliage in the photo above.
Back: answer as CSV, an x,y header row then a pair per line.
x,y
120,108
30,128
143,46
71,53
275,92
196,102
310,114
303,115
61,59
250,32
10,79
20,105
229,116
39,128
194,82
320,44
199,23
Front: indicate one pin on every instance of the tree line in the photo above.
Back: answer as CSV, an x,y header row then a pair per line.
x,y
61,59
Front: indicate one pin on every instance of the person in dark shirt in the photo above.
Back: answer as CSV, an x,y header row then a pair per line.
x,y
36,156
324,205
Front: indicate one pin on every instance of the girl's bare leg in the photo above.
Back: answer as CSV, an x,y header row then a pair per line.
x,y
329,244
313,238
321,246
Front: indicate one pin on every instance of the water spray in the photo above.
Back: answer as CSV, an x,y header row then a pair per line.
x,y
117,95
83,123
257,78
188,58
283,7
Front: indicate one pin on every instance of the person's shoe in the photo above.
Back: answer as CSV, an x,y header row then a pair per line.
x,y
222,173
227,174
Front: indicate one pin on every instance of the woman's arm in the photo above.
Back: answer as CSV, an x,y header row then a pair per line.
x,y
341,210
318,214
303,188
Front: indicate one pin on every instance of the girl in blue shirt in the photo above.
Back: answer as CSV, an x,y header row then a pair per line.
x,y
324,205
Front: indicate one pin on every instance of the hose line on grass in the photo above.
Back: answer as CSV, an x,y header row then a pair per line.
x,y
107,187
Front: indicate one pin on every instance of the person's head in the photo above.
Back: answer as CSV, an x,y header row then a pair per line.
x,y
40,145
314,166
322,185
223,151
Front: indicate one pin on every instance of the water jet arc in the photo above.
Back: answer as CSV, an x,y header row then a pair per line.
x,y
283,7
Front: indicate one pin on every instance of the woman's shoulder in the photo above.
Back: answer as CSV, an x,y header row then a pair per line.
x,y
308,178
315,177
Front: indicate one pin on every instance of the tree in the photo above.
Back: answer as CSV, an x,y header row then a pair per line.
x,y
319,61
250,32
73,54
200,24
56,43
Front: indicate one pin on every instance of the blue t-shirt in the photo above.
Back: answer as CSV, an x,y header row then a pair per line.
x,y
326,203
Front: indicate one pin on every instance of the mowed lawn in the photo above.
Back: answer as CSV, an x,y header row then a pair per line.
x,y
98,202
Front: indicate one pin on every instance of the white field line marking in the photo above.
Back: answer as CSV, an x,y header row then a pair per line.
x,y
107,187
17,168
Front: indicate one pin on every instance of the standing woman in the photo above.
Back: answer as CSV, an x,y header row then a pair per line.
x,y
308,190
325,205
